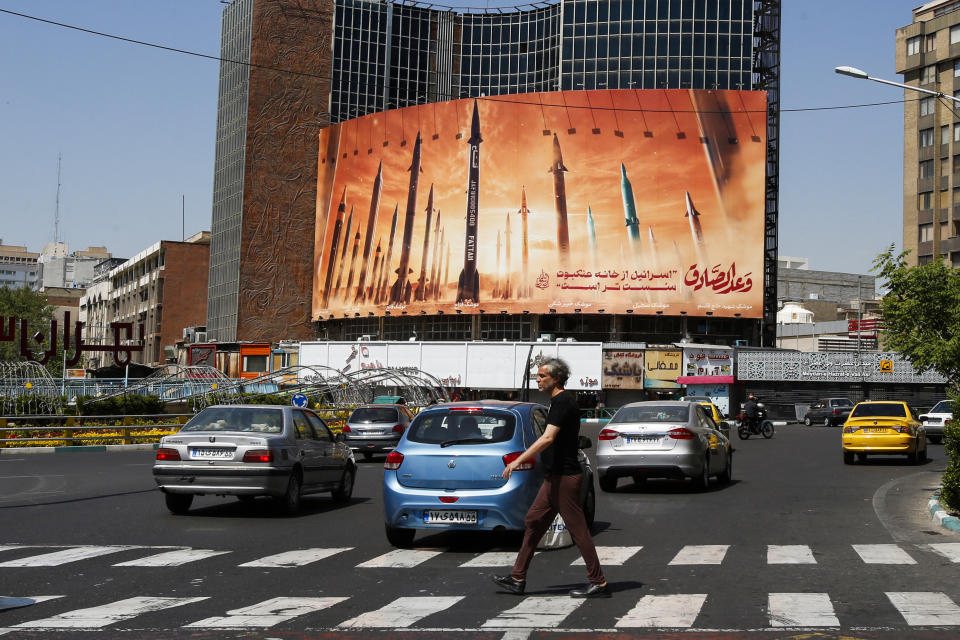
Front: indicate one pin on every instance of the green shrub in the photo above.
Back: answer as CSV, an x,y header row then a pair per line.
x,y
270,398
131,405
950,493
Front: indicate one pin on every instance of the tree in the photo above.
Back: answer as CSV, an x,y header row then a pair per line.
x,y
921,322
24,304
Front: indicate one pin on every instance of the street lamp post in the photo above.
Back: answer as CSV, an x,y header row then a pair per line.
x,y
853,72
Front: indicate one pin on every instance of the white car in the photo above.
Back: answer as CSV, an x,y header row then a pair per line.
x,y
934,420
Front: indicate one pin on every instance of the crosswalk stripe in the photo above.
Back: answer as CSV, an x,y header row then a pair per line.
x,y
883,554
402,612
172,558
10,547
96,617
801,610
296,558
701,554
266,613
949,550
677,610
610,556
75,554
535,612
492,559
400,559
925,608
789,554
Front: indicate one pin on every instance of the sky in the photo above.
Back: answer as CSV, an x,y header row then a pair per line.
x,y
135,126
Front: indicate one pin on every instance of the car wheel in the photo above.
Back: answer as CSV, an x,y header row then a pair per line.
x,y
590,506
401,538
826,422
178,503
935,439
290,501
703,480
923,454
744,433
727,474
913,457
767,429
847,457
861,457
345,490
807,421
608,484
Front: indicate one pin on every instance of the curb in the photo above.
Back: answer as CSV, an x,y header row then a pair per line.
x,y
940,516
12,451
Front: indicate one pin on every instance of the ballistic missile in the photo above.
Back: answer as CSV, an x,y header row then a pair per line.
x,y
525,246
468,286
400,291
343,253
371,227
560,195
507,287
384,279
653,246
592,234
422,282
629,208
432,293
696,230
496,288
446,265
334,245
353,260
376,266
436,287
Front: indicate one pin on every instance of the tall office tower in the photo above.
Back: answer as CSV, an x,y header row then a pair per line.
x,y
928,56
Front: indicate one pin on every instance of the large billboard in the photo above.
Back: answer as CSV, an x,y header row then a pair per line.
x,y
618,201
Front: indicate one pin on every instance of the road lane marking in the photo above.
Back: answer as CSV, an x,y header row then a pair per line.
x,y
611,555
535,612
949,550
96,617
402,612
789,554
19,602
883,554
75,554
801,610
925,608
267,613
400,559
493,559
172,558
701,554
677,610
297,558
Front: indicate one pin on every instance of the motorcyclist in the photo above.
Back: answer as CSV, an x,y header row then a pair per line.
x,y
751,411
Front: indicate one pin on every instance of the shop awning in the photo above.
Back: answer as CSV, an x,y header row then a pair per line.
x,y
705,379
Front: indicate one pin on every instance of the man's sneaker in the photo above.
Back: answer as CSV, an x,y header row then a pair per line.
x,y
591,591
511,585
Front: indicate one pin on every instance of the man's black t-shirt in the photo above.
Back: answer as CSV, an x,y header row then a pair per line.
x,y
560,458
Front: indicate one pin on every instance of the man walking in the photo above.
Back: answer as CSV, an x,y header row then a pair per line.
x,y
560,491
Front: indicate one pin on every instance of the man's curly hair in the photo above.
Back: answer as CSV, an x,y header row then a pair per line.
x,y
558,369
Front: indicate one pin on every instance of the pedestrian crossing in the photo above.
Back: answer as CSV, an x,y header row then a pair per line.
x,y
686,555
624,611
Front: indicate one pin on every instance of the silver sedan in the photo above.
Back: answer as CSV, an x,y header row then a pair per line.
x,y
253,450
663,439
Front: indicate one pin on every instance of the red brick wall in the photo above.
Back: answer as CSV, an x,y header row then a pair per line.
x,y
286,113
185,271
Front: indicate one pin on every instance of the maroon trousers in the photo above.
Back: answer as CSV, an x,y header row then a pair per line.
x,y
558,494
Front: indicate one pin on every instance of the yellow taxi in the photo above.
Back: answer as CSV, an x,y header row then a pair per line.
x,y
886,427
712,411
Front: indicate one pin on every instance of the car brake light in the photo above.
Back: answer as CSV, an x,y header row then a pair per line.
x,y
167,454
850,428
394,460
526,466
904,428
347,429
449,499
836,412
258,455
680,433
398,428
608,434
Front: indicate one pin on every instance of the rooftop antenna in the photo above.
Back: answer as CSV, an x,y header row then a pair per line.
x,y
56,213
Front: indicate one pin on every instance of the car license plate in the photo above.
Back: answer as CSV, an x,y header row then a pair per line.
x,y
875,430
211,453
436,516
641,439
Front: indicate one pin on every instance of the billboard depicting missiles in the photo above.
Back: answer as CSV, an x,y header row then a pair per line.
x,y
629,201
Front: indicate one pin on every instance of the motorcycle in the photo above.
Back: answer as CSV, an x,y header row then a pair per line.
x,y
758,426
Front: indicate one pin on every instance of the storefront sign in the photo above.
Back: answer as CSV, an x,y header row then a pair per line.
x,y
661,368
623,369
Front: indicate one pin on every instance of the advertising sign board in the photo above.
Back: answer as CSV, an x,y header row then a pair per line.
x,y
623,369
662,368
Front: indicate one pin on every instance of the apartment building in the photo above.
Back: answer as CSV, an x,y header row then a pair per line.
x,y
18,267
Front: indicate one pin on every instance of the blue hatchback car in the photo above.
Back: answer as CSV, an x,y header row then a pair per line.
x,y
445,473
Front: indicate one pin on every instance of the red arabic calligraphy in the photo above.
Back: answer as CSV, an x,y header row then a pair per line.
x,y
717,279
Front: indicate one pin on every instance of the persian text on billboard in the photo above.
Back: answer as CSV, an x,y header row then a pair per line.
x,y
623,369
595,201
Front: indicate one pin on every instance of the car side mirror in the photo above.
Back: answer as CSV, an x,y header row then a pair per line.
x,y
724,428
583,442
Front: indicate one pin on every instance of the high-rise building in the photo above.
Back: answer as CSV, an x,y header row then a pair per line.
x,y
292,68
928,56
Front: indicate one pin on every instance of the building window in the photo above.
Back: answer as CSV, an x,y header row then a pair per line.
x,y
955,34
913,44
926,168
945,134
926,138
931,42
925,232
926,201
944,230
926,107
922,260
929,74
955,259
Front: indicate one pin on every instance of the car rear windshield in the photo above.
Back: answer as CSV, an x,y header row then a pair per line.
x,y
456,427
653,413
253,419
879,410
374,414
841,402
944,406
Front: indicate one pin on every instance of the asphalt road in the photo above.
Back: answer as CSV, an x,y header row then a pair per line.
x,y
799,545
